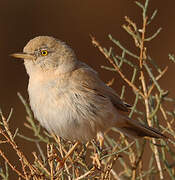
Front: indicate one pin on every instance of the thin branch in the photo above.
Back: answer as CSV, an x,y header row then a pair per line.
x,y
86,174
157,78
142,54
13,167
115,66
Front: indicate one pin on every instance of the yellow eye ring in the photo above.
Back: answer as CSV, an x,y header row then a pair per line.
x,y
44,52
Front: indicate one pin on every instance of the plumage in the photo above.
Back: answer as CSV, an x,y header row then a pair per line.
x,y
69,99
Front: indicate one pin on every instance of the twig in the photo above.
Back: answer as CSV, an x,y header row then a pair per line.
x,y
157,78
20,154
115,66
50,160
86,174
41,164
142,50
13,167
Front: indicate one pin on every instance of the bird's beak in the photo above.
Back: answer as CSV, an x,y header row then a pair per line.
x,y
23,56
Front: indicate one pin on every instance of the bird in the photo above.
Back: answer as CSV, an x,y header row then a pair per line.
x,y
69,99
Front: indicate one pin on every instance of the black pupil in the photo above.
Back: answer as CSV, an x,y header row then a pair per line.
x,y
44,52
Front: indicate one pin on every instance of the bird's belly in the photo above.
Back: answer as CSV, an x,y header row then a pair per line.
x,y
70,115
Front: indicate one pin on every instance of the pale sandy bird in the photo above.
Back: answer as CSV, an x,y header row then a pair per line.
x,y
68,98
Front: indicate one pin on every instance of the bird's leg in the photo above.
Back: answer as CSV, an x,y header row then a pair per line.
x,y
100,138
96,154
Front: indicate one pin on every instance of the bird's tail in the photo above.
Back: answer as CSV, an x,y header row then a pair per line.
x,y
135,129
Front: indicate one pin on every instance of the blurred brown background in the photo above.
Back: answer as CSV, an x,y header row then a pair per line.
x,y
72,21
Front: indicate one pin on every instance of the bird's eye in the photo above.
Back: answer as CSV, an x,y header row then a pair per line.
x,y
44,52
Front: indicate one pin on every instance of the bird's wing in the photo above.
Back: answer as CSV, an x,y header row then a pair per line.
x,y
89,79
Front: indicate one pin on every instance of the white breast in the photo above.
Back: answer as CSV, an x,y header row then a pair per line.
x,y
67,112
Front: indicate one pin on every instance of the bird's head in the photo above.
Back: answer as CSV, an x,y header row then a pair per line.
x,y
47,53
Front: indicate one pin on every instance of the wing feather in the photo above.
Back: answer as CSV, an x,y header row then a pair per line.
x,y
88,78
